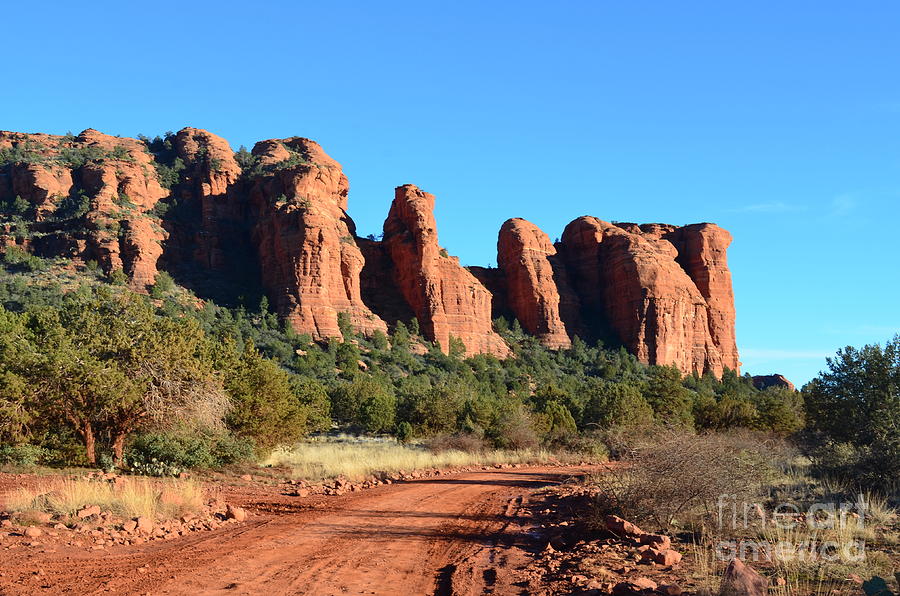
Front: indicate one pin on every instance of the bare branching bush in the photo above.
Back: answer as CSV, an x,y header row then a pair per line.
x,y
679,475
465,442
174,398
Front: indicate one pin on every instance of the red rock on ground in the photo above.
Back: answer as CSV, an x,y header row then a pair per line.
x,y
634,586
742,580
623,527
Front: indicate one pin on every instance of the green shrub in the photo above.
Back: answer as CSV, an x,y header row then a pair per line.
x,y
515,430
22,455
264,408
117,277
404,432
15,207
163,285
21,260
169,453
854,406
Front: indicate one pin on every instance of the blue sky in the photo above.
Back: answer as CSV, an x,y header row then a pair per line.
x,y
778,121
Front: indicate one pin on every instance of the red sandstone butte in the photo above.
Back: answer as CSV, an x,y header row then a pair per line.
x,y
635,283
533,281
446,298
305,241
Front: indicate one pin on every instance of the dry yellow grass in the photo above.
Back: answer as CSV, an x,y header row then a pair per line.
x,y
136,497
319,460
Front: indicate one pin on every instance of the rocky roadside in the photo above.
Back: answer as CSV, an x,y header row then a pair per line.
x,y
580,552
341,485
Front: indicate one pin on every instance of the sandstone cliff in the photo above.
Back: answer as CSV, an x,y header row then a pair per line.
x,y
275,221
631,279
305,241
107,184
447,299
535,280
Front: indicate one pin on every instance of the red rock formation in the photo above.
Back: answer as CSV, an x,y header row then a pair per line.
x,y
43,186
493,279
776,380
448,300
114,176
534,281
702,252
665,291
210,173
634,282
308,256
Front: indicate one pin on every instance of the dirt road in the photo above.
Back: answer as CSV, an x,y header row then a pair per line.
x,y
445,535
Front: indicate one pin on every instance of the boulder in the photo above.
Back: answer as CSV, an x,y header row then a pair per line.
x,y
666,558
235,513
657,541
89,511
742,580
144,525
634,586
622,527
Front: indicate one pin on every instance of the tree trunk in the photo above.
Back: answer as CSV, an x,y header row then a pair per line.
x,y
119,448
90,443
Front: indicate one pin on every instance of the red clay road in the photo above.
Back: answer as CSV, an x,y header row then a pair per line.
x,y
443,535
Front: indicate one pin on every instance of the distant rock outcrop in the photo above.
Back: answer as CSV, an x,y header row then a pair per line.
x,y
275,221
633,281
776,380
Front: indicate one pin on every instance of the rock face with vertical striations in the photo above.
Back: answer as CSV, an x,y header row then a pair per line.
x,y
275,222
534,280
702,252
208,181
305,241
632,280
447,299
